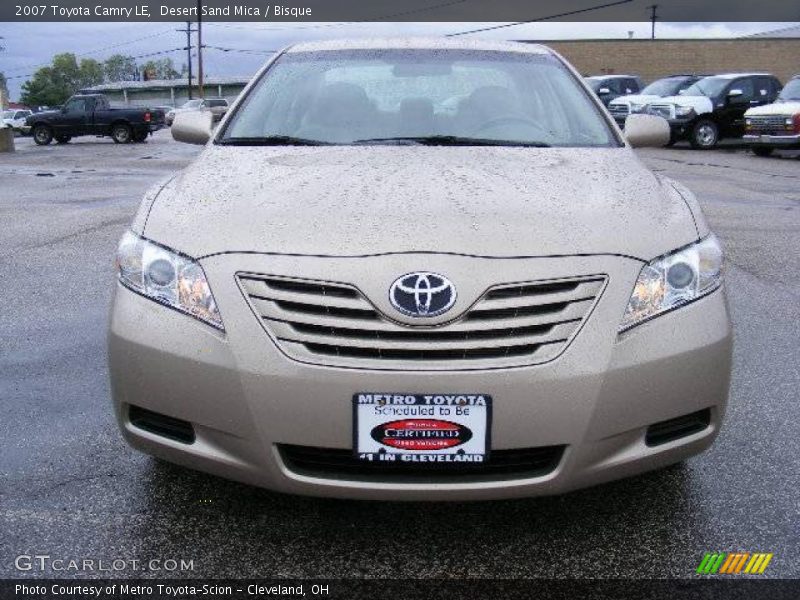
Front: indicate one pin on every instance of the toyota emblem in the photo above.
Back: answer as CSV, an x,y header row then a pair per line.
x,y
422,294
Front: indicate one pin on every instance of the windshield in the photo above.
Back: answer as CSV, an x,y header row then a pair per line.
x,y
595,84
664,87
193,104
791,91
390,96
708,86
8,114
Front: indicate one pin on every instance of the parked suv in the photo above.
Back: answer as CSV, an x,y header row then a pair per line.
x,y
608,87
673,85
775,125
713,108
217,106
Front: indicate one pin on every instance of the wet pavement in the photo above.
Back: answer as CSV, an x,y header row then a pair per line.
x,y
71,488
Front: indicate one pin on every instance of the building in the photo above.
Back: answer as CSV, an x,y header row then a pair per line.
x,y
775,52
166,92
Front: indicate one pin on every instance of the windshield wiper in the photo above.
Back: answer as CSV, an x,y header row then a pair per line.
x,y
272,140
451,140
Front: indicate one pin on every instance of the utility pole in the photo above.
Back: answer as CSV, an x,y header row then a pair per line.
x,y
653,18
188,31
200,90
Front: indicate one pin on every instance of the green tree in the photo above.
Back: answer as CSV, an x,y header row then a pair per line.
x,y
51,86
90,73
160,69
120,68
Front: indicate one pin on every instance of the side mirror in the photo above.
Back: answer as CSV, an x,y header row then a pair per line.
x,y
603,91
734,93
643,131
192,127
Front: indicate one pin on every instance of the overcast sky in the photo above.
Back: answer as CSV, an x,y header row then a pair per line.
x,y
31,45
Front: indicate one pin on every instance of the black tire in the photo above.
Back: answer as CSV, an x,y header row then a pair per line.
x,y
762,151
140,137
705,135
121,133
42,135
63,139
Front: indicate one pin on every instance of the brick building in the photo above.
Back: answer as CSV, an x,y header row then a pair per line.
x,y
652,59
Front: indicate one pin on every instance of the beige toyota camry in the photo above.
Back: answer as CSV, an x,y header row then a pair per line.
x,y
419,270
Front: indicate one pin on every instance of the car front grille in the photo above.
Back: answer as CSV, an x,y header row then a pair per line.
x,y
619,109
661,110
342,464
334,324
774,124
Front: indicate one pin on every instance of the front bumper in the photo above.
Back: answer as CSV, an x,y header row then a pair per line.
x,y
778,141
244,396
681,128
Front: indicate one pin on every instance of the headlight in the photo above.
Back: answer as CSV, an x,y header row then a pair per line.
x,y
673,280
683,111
166,277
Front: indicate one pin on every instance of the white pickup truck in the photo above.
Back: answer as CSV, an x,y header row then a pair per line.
x,y
775,125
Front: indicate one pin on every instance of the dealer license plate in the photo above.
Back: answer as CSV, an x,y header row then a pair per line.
x,y
421,429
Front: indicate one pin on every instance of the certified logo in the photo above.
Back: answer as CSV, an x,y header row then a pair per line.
x,y
421,434
422,294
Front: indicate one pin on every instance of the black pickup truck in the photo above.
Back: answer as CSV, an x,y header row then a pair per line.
x,y
91,114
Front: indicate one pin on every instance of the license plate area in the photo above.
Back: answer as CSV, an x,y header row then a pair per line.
x,y
422,430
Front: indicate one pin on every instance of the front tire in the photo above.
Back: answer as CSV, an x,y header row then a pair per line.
x,y
762,151
121,133
42,135
63,139
705,135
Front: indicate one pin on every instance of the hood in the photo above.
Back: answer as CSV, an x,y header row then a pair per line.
x,y
700,104
779,108
366,200
636,99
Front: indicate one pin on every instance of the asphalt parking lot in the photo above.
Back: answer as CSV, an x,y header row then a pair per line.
x,y
71,488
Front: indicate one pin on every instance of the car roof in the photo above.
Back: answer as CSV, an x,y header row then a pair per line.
x,y
613,77
735,75
418,43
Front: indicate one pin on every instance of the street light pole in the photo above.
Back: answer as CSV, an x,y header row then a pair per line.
x,y
653,18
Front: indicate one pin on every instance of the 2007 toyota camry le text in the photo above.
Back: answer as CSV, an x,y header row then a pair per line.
x,y
419,270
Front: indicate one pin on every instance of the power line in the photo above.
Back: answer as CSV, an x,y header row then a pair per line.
x,y
549,18
243,50
112,47
284,27
146,55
